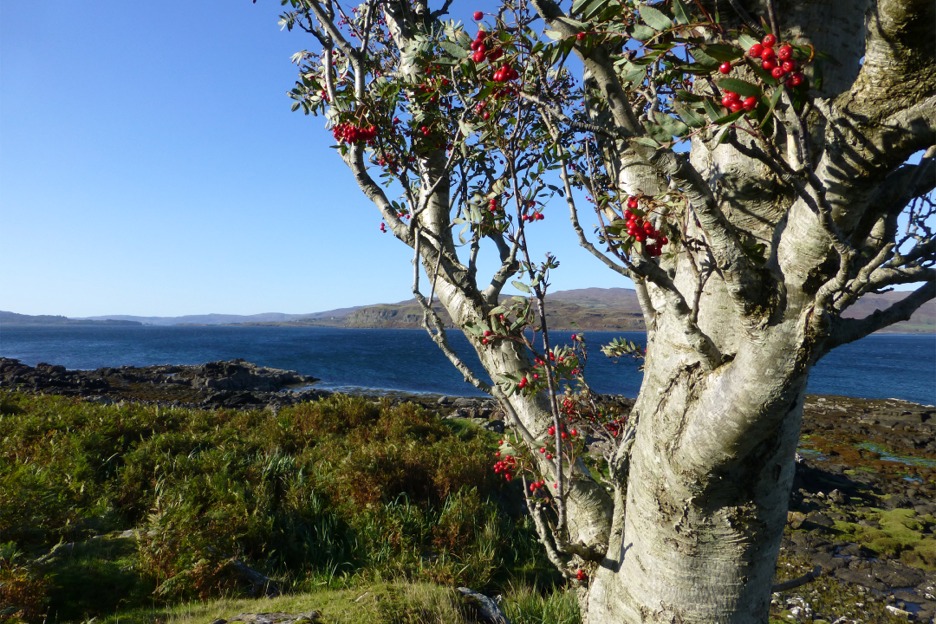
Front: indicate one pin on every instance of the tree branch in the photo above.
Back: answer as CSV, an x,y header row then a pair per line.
x,y
848,330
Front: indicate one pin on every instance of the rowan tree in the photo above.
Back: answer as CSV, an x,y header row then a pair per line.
x,y
755,167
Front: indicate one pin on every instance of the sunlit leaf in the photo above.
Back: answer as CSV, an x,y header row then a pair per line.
x,y
655,19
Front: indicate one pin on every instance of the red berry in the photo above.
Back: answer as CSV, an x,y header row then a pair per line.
x,y
777,72
478,15
796,80
789,66
725,68
749,104
768,54
768,41
735,107
755,50
478,55
768,65
785,52
580,36
632,202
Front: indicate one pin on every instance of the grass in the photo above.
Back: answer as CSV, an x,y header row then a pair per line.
x,y
374,603
343,492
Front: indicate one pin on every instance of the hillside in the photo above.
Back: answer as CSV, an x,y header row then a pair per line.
x,y
614,309
12,318
611,309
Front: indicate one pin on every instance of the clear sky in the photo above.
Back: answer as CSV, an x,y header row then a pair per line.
x,y
150,165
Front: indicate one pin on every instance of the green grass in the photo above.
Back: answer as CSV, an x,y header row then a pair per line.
x,y
342,492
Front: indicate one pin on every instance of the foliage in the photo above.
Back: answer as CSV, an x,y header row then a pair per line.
x,y
341,489
751,196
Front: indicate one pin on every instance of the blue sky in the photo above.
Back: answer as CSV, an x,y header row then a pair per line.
x,y
150,165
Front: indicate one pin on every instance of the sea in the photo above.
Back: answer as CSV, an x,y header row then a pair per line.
x,y
901,366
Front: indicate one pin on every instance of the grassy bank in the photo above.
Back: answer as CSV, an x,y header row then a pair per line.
x,y
109,509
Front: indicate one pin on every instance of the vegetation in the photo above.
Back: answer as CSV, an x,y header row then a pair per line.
x,y
755,167
107,508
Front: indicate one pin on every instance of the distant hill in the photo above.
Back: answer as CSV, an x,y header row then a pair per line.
x,y
12,318
612,309
615,309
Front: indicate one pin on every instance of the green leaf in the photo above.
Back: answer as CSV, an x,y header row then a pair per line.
x,y
684,95
655,19
713,111
690,116
721,52
633,74
747,41
455,50
520,286
643,33
771,104
673,126
555,35
588,8
644,140
741,87
680,12
727,119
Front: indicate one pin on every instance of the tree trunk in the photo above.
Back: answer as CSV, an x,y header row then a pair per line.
x,y
701,534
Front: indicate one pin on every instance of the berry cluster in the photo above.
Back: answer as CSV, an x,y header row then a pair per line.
x,y
505,466
480,50
733,102
505,73
347,132
642,230
580,575
563,433
533,216
537,485
780,62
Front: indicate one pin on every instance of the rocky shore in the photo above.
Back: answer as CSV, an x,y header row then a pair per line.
x,y
230,384
862,513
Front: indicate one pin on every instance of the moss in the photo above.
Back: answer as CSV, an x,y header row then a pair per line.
x,y
900,533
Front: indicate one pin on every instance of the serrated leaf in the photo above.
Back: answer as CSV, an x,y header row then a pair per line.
x,y
700,56
655,19
684,95
771,105
746,41
690,116
721,52
712,110
588,8
741,87
727,119
673,126
680,12
633,74
643,33
455,50
643,140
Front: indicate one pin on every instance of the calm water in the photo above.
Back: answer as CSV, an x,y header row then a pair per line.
x,y
880,366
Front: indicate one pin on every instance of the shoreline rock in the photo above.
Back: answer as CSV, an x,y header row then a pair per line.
x,y
224,384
